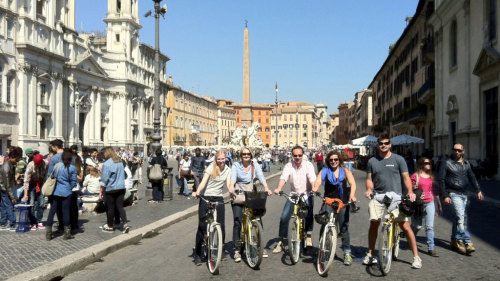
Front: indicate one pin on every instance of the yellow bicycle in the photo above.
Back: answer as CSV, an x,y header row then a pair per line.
x,y
296,225
251,229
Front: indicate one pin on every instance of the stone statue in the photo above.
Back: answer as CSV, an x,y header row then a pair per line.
x,y
253,138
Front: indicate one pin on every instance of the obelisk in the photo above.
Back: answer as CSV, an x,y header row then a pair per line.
x,y
246,109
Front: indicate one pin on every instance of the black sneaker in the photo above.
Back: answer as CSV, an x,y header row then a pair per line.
x,y
197,260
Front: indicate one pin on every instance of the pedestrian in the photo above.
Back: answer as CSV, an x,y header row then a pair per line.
x,y
319,160
301,176
75,205
157,185
183,174
334,177
198,164
244,172
456,179
211,187
33,182
91,183
55,156
385,173
60,200
423,179
113,189
7,186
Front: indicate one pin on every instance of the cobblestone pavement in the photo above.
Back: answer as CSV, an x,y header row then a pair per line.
x,y
169,253
20,252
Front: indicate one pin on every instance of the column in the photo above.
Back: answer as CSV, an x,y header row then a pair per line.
x,y
77,113
32,111
22,102
97,115
59,107
71,112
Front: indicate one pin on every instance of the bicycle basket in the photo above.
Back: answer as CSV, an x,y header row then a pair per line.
x,y
321,218
406,209
303,210
256,200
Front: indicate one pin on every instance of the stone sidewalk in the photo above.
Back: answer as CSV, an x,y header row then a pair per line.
x,y
22,252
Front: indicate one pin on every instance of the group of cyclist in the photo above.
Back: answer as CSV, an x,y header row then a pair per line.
x,y
387,174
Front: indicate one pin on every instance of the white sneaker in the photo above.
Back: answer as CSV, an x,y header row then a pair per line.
x,y
264,253
369,260
417,263
279,248
237,256
309,242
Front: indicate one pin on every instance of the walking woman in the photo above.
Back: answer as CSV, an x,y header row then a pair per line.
x,y
61,198
113,187
244,172
183,174
214,178
157,184
423,179
334,177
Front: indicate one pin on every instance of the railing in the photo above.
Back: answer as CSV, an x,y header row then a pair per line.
x,y
426,87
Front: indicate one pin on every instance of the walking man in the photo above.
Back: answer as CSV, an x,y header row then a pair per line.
x,y
455,179
301,176
7,184
197,167
384,174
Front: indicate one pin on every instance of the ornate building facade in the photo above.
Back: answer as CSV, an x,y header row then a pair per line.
x,y
81,88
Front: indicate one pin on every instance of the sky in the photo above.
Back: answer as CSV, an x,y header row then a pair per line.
x,y
317,51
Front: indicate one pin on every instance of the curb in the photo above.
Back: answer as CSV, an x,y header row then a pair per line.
x,y
66,265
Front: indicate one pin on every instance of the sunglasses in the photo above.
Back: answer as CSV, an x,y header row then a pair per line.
x,y
427,163
384,143
297,155
333,160
458,150
246,154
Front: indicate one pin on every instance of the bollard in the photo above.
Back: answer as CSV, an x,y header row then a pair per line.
x,y
167,185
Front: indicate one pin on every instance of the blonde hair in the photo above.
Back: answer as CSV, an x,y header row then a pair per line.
x,y
91,170
247,148
108,152
216,171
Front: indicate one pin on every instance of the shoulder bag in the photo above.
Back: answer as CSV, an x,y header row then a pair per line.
x,y
156,173
240,189
50,184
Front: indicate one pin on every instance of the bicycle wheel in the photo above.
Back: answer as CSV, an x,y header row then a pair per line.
x,y
253,247
294,239
214,249
327,247
385,249
395,247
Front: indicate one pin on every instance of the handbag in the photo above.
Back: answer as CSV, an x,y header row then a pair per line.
x,y
185,173
50,184
240,189
156,173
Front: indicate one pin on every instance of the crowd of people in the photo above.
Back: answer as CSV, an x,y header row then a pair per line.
x,y
387,177
105,173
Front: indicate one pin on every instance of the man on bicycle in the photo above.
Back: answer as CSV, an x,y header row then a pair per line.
x,y
302,177
384,174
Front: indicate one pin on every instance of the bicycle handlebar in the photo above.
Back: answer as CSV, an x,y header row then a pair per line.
x,y
215,203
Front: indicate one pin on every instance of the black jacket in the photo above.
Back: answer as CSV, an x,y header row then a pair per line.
x,y
7,178
456,177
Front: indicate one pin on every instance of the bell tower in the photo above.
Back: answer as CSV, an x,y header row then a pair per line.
x,y
122,27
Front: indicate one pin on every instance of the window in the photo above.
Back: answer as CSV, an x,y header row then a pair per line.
x,y
117,37
453,44
10,82
43,93
492,19
118,5
10,26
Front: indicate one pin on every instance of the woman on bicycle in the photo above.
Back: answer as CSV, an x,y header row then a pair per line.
x,y
424,179
334,177
214,178
241,173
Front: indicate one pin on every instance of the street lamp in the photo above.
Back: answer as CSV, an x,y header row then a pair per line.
x,y
156,138
297,126
276,116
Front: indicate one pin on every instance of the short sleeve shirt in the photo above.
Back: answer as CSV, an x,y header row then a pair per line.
x,y
386,173
215,185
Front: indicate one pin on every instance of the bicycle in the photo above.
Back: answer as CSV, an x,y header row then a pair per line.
x,y
251,228
389,237
296,225
328,239
213,238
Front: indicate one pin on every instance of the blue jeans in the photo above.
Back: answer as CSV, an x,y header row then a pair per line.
x,y
7,210
61,203
265,166
286,214
343,224
36,200
183,183
416,223
459,229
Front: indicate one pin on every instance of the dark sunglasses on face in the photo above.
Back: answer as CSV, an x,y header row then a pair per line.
x,y
297,155
334,160
246,154
384,143
458,150
427,163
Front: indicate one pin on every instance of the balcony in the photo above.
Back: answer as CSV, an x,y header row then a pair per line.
x,y
43,109
425,94
399,121
7,108
417,114
133,122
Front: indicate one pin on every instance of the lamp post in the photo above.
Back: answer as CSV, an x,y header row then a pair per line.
x,y
297,126
156,137
276,116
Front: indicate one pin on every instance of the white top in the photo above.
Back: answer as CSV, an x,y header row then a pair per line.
x,y
92,183
185,164
215,185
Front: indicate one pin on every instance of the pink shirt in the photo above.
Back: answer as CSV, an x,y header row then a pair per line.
x,y
426,185
300,178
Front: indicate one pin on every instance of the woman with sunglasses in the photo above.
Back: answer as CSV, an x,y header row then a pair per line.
x,y
423,179
334,177
241,173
